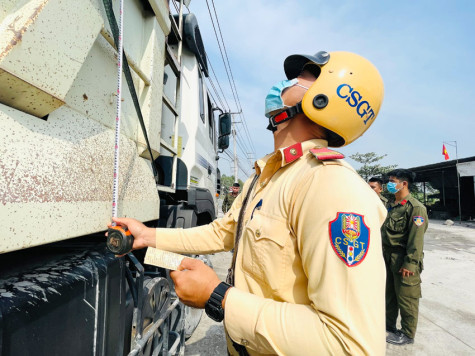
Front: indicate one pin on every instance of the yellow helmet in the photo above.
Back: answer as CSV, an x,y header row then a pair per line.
x,y
346,97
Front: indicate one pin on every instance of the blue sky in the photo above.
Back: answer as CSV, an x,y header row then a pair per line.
x,y
425,51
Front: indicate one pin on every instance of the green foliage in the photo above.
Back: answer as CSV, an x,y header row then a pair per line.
x,y
431,194
227,181
370,167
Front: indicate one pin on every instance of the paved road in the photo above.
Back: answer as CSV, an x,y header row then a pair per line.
x,y
208,338
447,310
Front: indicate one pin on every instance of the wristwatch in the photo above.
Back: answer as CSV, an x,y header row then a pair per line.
x,y
214,307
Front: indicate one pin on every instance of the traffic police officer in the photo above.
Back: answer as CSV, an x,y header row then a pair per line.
x,y
403,240
377,185
308,273
230,197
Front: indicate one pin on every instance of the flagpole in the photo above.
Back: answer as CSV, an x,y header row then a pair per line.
x,y
458,175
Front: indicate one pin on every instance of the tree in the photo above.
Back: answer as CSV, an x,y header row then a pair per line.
x,y
227,181
372,169
370,166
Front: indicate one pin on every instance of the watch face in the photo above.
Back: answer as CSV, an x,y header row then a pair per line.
x,y
214,312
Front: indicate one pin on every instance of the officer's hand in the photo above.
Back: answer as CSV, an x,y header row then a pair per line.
x,y
143,236
194,282
406,272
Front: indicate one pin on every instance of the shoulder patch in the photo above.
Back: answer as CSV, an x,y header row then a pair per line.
x,y
349,237
324,154
418,220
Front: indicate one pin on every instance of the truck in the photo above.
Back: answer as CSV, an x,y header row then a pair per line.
x,y
61,290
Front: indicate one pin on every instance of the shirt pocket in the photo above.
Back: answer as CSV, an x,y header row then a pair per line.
x,y
268,249
397,223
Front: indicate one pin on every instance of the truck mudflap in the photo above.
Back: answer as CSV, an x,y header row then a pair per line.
x,y
85,301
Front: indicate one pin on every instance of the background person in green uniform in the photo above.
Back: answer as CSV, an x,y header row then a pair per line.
x,y
229,198
403,239
377,185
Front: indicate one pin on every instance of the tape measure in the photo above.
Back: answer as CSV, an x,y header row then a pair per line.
x,y
119,239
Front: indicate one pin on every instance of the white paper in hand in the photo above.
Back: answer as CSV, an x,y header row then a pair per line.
x,y
164,259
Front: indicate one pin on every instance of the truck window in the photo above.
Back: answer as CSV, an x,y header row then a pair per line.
x,y
170,83
210,119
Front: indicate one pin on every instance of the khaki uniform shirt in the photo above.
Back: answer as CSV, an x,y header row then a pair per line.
x,y
384,200
404,230
295,293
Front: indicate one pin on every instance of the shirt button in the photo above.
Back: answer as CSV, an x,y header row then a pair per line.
x,y
263,184
258,233
244,342
293,151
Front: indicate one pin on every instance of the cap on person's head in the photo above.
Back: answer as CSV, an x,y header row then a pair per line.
x,y
236,185
296,63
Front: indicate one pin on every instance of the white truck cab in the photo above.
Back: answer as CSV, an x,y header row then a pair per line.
x,y
61,290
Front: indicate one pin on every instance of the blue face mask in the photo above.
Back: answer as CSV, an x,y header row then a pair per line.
x,y
274,98
391,187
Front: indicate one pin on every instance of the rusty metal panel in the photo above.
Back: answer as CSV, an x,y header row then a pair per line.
x,y
43,44
56,174
23,96
56,178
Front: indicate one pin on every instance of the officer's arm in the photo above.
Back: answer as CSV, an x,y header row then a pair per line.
x,y
415,241
215,237
342,309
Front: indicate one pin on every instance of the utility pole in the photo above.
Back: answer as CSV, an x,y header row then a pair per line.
x,y
235,154
250,158
454,144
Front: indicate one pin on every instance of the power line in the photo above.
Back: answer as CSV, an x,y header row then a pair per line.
x,y
245,147
219,85
231,72
239,164
248,134
222,56
217,94
245,143
227,58
243,150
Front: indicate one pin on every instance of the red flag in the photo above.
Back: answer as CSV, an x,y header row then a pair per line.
x,y
445,153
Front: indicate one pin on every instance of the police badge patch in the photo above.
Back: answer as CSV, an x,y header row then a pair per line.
x,y
349,237
418,220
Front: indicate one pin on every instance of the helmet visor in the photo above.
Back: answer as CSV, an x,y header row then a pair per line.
x,y
296,63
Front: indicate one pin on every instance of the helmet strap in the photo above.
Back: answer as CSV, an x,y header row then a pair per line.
x,y
283,116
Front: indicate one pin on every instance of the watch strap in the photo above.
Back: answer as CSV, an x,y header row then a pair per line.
x,y
214,305
220,290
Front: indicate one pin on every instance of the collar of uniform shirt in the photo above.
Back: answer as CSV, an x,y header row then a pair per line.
x,y
405,199
271,163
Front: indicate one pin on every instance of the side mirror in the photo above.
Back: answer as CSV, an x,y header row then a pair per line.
x,y
223,142
225,124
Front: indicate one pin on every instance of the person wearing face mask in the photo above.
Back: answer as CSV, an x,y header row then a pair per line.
x,y
403,241
307,275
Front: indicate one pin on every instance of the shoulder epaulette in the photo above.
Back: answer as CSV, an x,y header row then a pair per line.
x,y
324,154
